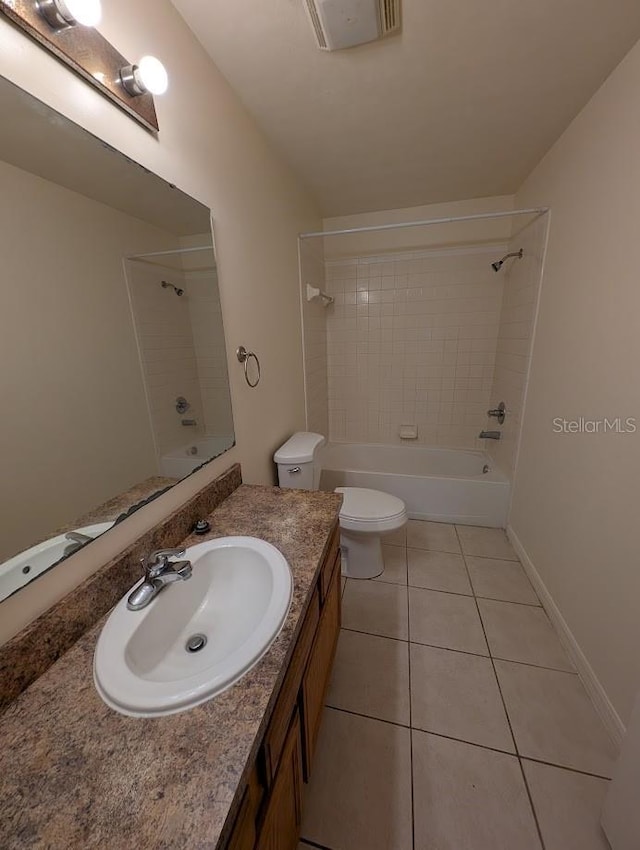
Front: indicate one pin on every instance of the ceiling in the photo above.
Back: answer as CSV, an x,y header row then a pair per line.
x,y
462,104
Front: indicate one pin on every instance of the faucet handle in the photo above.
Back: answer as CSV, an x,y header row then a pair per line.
x,y
158,560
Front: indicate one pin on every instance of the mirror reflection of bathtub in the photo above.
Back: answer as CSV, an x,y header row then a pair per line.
x,y
442,485
180,462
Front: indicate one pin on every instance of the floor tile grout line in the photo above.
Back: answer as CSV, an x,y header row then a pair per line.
x,y
375,634
465,741
565,767
531,803
461,651
413,808
367,716
381,580
504,706
469,743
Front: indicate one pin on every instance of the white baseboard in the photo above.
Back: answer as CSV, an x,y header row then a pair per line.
x,y
597,693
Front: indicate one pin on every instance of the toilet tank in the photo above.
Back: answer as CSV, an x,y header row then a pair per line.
x,y
298,462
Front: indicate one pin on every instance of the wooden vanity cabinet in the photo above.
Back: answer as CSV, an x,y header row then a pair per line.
x,y
271,810
280,825
318,671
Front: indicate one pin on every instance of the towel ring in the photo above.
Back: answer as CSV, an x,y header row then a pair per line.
x,y
244,356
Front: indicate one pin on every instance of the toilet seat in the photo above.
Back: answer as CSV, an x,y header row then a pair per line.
x,y
370,510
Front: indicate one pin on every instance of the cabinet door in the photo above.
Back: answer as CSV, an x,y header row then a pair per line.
x,y
288,697
281,826
318,672
243,836
244,831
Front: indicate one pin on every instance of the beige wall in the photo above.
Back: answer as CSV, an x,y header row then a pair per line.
x,y
210,147
576,500
75,428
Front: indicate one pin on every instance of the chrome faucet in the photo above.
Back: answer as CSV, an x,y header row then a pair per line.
x,y
159,571
490,435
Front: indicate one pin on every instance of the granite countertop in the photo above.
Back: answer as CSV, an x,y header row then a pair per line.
x,y
76,774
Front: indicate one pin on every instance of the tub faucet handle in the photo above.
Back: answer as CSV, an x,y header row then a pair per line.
x,y
498,412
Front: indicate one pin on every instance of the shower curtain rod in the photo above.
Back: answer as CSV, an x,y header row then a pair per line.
x,y
537,211
172,251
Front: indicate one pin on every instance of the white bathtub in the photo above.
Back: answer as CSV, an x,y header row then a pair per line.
x,y
182,461
444,485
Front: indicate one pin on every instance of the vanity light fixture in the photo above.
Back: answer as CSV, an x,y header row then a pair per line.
x,y
149,75
67,29
61,14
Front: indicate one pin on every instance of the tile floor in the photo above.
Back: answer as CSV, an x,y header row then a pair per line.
x,y
454,719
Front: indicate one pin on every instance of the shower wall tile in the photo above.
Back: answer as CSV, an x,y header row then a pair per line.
x,y
165,338
412,339
515,338
210,352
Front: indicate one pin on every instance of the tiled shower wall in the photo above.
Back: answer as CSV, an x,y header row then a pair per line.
x,y
515,336
411,340
165,339
314,324
211,357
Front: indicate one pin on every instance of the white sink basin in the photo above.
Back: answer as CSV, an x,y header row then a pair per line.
x,y
237,598
19,570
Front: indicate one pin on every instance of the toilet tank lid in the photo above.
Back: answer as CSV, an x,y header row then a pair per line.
x,y
300,448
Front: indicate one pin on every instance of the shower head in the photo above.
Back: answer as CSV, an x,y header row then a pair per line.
x,y
499,263
177,290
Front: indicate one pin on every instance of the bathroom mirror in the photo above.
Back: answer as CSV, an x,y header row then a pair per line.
x,y
114,379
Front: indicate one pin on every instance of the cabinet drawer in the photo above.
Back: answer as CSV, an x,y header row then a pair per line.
x,y
288,698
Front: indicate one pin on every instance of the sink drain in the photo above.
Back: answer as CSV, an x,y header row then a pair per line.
x,y
196,643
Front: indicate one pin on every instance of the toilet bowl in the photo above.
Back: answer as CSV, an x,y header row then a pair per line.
x,y
365,515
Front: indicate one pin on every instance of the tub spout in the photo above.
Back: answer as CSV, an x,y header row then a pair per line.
x,y
490,435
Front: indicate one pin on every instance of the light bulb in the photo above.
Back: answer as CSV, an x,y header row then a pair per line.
x,y
66,13
85,12
149,75
152,75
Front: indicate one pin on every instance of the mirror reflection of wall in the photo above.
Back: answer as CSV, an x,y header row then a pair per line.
x,y
82,436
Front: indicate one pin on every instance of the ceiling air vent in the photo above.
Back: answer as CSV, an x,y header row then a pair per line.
x,y
346,23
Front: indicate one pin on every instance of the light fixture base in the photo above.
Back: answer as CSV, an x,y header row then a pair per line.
x,y
86,52
130,81
55,14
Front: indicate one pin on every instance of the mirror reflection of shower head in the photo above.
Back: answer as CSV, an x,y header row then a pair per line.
x,y
177,290
499,263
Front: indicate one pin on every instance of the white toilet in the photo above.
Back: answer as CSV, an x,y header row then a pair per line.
x,y
365,514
